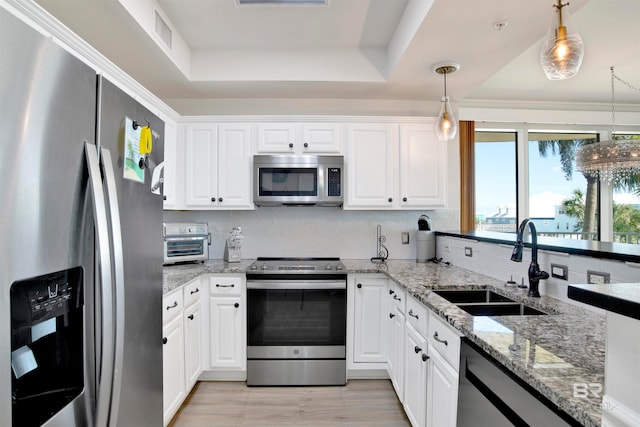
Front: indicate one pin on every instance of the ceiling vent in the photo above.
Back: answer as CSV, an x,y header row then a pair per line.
x,y
163,31
283,2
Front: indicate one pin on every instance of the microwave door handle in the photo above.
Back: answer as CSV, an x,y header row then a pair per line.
x,y
106,357
118,269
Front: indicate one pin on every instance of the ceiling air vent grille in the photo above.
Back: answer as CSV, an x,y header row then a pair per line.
x,y
163,31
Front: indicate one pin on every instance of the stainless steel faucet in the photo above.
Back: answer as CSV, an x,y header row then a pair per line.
x,y
535,274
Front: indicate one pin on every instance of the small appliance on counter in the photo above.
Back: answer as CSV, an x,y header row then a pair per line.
x,y
185,242
233,245
425,240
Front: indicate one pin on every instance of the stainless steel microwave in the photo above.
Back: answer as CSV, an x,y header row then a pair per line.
x,y
298,180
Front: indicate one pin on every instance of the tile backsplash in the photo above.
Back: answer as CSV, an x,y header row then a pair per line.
x,y
315,231
494,260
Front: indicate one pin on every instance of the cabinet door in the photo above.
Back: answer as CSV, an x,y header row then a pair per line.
x,y
371,156
276,138
422,167
170,184
228,335
321,138
172,367
415,380
370,316
234,166
201,186
192,344
396,351
442,395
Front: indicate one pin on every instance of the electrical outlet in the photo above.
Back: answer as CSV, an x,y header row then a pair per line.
x,y
468,251
447,247
560,271
598,277
405,237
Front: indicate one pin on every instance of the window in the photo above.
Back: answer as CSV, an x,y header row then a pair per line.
x,y
557,190
626,206
495,181
527,173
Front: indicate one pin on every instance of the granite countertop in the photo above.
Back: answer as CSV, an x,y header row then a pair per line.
x,y
551,353
621,298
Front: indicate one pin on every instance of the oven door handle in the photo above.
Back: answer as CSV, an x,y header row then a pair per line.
x,y
181,239
295,284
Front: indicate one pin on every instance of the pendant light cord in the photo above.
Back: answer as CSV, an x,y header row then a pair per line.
x,y
613,99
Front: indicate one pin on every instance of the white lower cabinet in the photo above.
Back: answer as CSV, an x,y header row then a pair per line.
x,y
415,380
227,323
174,390
369,319
193,343
442,392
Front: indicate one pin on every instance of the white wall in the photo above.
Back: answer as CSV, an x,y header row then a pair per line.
x,y
315,231
494,260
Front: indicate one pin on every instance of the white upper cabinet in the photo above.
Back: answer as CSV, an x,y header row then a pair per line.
x,y
218,166
371,166
299,138
422,167
395,167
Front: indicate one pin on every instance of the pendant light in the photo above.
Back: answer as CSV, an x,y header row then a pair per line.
x,y
614,161
446,125
562,51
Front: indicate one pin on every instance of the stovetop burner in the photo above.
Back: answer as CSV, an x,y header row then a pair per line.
x,y
284,265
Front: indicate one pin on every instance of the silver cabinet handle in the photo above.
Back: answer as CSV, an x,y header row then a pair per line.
x,y
195,292
412,315
435,337
218,285
175,304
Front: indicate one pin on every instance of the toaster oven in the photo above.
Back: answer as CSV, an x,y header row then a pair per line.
x,y
185,242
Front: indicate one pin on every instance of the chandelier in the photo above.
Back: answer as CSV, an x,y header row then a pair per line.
x,y
562,51
613,161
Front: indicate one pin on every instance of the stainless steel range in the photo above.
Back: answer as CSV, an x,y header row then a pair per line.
x,y
296,322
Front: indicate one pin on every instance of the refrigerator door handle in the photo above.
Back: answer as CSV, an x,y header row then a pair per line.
x,y
118,272
105,378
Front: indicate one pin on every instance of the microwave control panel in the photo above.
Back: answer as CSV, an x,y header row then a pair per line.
x,y
334,182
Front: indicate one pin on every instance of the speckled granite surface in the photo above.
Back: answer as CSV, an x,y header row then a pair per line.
x,y
551,353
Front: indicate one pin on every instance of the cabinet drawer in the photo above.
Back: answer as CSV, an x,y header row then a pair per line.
x,y
445,340
225,286
397,296
192,292
172,305
417,314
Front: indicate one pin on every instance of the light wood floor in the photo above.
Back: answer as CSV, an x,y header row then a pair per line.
x,y
359,403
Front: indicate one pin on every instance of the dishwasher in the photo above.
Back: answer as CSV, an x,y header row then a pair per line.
x,y
490,395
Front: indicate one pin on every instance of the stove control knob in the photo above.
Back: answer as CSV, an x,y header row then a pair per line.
x,y
328,267
339,267
253,266
265,266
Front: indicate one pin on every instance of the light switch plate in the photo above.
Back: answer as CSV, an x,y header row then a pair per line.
x,y
405,237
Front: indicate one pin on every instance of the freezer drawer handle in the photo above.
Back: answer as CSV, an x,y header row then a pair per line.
x,y
437,338
175,304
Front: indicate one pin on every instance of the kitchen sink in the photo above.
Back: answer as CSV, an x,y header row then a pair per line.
x,y
457,296
500,309
484,302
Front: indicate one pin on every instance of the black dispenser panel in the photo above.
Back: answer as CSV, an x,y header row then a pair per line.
x,y
46,345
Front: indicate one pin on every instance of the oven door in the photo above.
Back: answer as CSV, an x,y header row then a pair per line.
x,y
296,319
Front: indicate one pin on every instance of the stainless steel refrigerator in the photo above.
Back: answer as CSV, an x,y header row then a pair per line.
x,y
80,242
